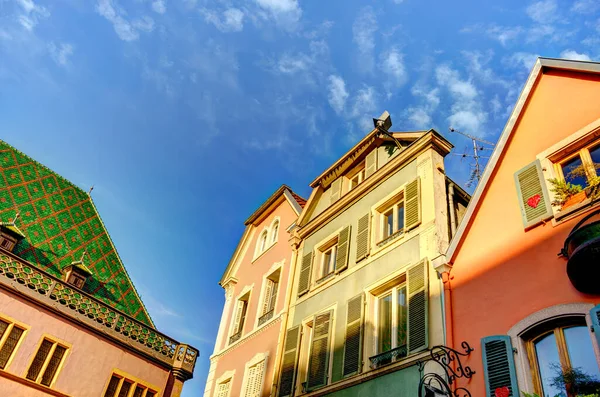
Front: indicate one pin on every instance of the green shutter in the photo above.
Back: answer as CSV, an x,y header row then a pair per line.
x,y
531,185
371,163
335,190
318,364
354,335
305,270
287,377
418,307
412,204
362,237
499,365
595,315
341,259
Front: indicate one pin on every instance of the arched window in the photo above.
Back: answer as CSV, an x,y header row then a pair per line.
x,y
262,241
274,231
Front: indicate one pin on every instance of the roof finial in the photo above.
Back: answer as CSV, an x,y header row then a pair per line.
x,y
83,256
14,221
90,191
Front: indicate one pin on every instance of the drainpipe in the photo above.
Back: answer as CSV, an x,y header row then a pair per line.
x,y
452,213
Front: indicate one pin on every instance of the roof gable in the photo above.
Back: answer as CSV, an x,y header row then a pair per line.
x,y
60,222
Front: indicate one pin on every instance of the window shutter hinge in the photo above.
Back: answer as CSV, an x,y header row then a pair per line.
x,y
515,350
592,329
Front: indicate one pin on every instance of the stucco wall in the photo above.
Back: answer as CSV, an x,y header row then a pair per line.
x,y
89,362
503,274
403,383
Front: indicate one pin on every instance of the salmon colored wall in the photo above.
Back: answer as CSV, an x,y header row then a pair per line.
x,y
89,362
503,274
248,273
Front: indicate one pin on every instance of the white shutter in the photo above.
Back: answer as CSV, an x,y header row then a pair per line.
x,y
371,163
238,317
223,389
267,297
254,380
336,190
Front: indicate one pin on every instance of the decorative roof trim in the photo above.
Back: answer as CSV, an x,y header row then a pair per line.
x,y
541,65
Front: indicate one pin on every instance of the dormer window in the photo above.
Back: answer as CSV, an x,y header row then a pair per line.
x,y
356,176
77,273
10,234
76,280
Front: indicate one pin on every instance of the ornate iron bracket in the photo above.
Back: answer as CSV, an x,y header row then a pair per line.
x,y
433,384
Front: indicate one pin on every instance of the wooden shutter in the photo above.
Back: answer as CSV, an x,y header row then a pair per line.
x,y
255,387
499,365
287,379
305,271
336,190
9,345
250,382
267,296
273,300
318,364
595,315
534,199
341,259
39,359
223,389
418,307
371,163
354,335
412,204
238,317
362,237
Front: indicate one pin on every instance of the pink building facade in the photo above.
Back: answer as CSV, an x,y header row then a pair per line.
x,y
256,298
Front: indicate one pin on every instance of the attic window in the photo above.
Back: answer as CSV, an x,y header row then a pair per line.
x,y
76,280
6,243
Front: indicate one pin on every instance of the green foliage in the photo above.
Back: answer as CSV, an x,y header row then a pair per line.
x,y
562,191
575,380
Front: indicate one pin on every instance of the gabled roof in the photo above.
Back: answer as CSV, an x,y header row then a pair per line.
x,y
282,194
59,221
541,65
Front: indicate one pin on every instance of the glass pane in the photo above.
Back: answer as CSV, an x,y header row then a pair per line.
x,y
333,259
548,362
112,387
570,166
595,153
39,359
581,352
388,226
125,388
52,367
385,324
326,261
9,345
401,216
402,311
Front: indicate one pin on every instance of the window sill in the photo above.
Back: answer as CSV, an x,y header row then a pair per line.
x,y
574,211
31,384
325,278
257,257
390,238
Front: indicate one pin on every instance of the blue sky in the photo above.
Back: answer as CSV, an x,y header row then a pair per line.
x,y
186,114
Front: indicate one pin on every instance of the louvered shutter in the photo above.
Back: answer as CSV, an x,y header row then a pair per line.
x,y
595,315
412,204
341,259
305,271
371,163
250,382
273,300
354,335
418,307
9,345
362,237
267,297
534,199
238,317
223,389
499,365
287,378
258,379
318,364
335,190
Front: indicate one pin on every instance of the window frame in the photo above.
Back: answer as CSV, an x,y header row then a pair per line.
x,y
393,290
586,160
77,277
274,231
330,245
245,296
55,342
254,361
11,324
391,201
359,171
135,382
275,271
226,377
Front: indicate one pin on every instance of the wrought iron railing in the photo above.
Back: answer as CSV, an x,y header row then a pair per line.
x,y
57,294
266,317
235,337
388,357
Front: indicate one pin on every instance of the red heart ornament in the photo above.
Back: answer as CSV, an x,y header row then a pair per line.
x,y
533,201
503,391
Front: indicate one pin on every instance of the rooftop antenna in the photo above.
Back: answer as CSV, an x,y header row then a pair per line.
x,y
478,143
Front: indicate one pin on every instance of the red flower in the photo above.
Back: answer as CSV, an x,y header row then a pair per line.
x,y
533,201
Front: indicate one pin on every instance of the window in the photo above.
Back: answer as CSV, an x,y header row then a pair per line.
x,y
46,362
269,297
254,379
10,335
356,176
391,319
391,219
121,385
262,242
581,167
239,319
559,347
274,231
76,280
326,257
223,388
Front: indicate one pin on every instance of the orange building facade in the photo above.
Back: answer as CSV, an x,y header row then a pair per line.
x,y
256,300
507,288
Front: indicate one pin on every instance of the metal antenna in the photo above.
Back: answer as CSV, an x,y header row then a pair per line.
x,y
475,175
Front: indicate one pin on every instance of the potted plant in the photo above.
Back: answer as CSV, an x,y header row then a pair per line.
x,y
567,194
576,382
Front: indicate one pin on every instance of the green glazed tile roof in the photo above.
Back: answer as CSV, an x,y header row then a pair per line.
x,y
59,221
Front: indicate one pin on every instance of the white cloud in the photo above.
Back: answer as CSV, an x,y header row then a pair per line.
x,y
504,34
364,101
496,105
419,117
159,6
127,31
450,78
32,13
524,59
337,93
61,53
468,120
585,6
286,13
392,64
232,19
574,55
363,32
543,11
290,64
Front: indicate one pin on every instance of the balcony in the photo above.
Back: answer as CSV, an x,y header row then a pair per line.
x,y
82,308
235,337
266,317
388,357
